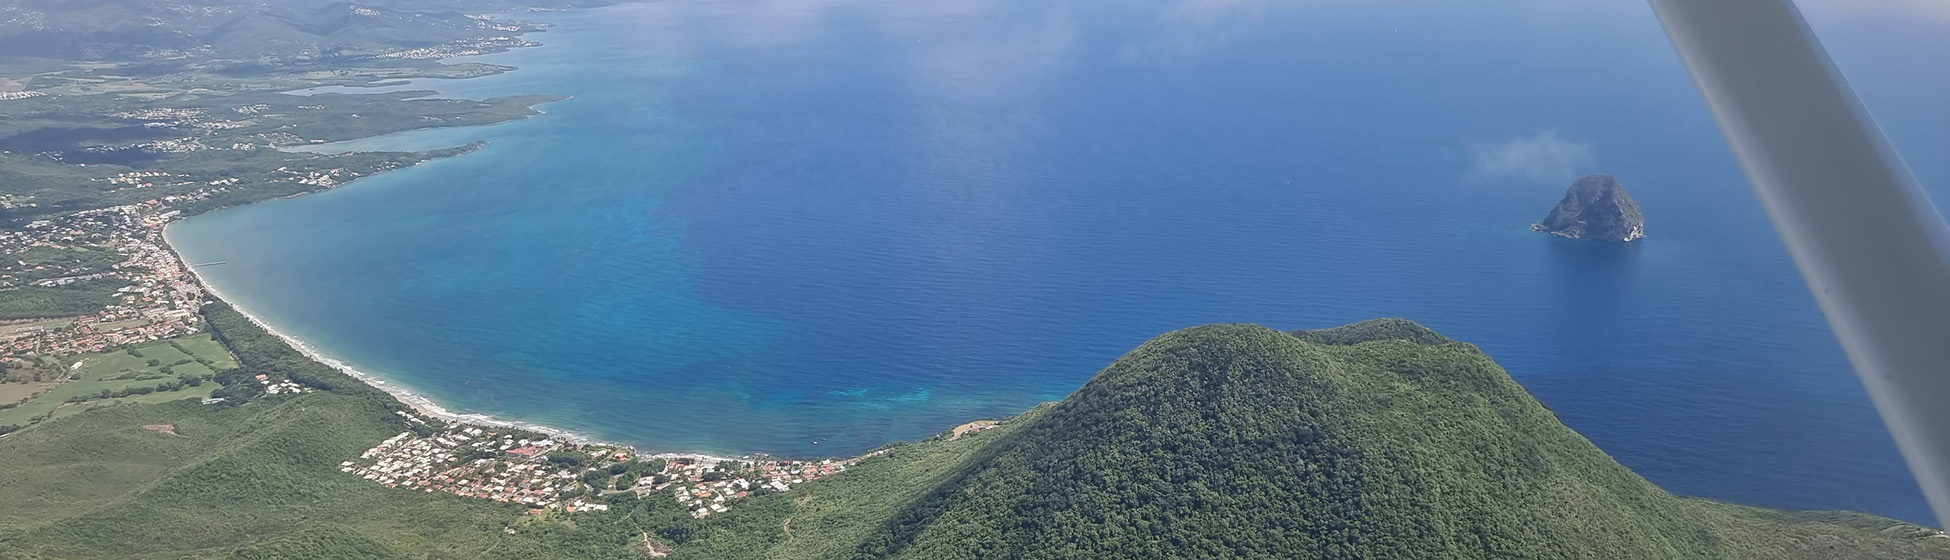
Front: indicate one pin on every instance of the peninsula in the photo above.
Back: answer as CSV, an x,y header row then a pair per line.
x,y
1595,207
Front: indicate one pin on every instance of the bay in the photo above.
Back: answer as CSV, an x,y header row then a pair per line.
x,y
813,228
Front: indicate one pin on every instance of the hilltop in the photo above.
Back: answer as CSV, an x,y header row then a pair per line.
x,y
1381,439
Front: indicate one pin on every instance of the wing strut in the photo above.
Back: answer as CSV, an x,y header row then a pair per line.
x,y
1868,242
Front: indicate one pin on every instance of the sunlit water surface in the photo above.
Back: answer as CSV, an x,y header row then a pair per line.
x,y
817,227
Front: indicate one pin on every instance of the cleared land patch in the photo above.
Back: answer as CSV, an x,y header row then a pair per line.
x,y
206,350
971,427
151,398
13,392
119,325
123,376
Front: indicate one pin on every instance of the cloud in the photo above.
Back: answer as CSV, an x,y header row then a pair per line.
x,y
1542,157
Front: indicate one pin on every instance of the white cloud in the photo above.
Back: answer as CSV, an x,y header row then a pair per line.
x,y
1542,157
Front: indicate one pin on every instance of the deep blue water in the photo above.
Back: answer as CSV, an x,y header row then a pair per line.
x,y
816,227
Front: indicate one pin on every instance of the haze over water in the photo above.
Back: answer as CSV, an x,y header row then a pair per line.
x,y
811,228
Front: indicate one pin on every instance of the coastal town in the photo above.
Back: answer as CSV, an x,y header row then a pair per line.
x,y
547,473
464,48
157,297
79,285
111,269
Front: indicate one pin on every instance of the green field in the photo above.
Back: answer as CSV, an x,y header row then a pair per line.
x,y
206,350
119,325
151,398
13,392
196,355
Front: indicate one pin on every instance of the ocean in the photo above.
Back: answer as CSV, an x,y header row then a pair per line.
x,y
813,228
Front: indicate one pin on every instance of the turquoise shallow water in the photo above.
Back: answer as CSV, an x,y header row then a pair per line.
x,y
813,228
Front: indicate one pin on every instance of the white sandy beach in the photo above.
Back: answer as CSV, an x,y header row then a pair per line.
x,y
420,404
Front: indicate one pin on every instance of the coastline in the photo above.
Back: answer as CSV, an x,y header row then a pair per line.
x,y
418,403
331,147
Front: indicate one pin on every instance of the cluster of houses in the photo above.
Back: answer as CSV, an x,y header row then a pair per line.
x,y
466,47
704,494
136,179
286,387
325,179
479,463
160,300
167,115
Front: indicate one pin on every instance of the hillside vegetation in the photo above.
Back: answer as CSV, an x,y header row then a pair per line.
x,y
1381,439
259,480
1388,441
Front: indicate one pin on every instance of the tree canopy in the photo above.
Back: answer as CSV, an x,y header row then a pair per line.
x,y
1380,439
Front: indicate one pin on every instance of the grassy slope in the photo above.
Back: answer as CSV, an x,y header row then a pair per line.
x,y
119,369
258,480
254,481
206,350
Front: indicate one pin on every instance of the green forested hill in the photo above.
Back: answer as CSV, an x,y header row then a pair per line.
x,y
1382,440
1376,440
